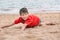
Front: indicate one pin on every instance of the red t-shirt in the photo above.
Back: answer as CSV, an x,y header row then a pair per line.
x,y
31,21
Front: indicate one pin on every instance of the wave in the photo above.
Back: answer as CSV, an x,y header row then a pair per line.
x,y
31,10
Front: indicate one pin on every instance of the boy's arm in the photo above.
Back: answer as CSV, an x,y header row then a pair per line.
x,y
8,25
28,22
15,22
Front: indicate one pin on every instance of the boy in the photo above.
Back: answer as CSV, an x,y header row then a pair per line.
x,y
29,21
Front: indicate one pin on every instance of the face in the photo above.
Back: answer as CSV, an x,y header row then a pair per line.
x,y
24,15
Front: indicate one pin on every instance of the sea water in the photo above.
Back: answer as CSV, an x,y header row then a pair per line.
x,y
13,6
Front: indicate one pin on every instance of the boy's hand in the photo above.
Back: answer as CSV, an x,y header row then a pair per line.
x,y
23,27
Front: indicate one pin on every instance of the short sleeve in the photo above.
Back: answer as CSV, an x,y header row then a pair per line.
x,y
18,20
29,21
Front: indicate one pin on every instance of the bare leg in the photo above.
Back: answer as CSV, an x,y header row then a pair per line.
x,y
49,23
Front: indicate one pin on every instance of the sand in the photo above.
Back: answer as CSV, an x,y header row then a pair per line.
x,y
44,32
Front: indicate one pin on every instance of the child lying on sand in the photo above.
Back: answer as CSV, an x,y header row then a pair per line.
x,y
26,19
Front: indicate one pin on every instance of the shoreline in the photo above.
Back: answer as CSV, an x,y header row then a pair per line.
x,y
42,11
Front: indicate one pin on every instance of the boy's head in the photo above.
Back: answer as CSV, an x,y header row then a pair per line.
x,y
23,13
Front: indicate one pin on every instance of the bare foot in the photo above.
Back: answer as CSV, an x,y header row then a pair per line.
x,y
50,24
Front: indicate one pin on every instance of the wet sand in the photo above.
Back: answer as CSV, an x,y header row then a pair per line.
x,y
44,32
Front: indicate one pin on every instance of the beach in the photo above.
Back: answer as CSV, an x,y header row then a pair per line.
x,y
44,32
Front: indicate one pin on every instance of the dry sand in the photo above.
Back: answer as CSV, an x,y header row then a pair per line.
x,y
44,32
